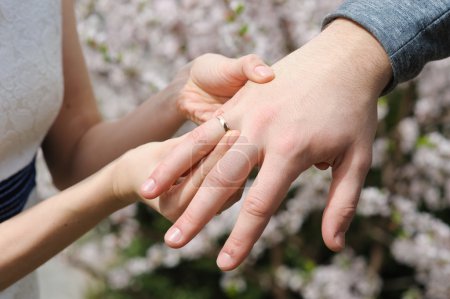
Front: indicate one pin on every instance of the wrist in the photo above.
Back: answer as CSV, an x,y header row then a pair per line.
x,y
363,54
94,195
173,91
169,103
345,55
112,197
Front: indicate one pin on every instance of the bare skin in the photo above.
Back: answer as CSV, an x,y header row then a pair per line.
x,y
80,144
319,110
66,216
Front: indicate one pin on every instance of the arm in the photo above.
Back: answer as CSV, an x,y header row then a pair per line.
x,y
79,143
411,32
34,236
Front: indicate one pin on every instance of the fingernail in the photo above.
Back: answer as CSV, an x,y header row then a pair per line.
x,y
173,235
149,185
264,71
340,240
224,260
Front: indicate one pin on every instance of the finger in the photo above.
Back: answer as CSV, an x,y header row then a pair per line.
x,y
221,182
348,179
264,197
173,202
196,145
202,115
253,68
198,176
234,198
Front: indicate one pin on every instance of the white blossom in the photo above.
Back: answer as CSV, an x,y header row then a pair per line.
x,y
134,48
373,201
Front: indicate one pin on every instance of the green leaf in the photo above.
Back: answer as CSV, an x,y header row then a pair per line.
x,y
243,30
424,141
239,9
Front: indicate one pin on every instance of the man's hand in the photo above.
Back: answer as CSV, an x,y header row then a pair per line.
x,y
320,109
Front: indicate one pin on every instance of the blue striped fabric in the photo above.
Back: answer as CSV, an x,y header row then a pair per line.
x,y
15,190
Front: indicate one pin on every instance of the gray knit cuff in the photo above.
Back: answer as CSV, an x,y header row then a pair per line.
x,y
413,32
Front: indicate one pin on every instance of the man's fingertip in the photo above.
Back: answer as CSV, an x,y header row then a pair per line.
x,y
225,261
339,239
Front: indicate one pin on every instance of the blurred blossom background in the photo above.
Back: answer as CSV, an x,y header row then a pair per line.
x,y
399,243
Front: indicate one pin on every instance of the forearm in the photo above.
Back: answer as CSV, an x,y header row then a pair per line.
x,y
412,32
155,120
33,237
346,48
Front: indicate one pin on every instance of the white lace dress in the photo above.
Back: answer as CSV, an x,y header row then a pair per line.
x,y
31,89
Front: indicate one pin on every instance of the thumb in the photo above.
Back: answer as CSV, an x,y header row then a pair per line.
x,y
250,67
345,189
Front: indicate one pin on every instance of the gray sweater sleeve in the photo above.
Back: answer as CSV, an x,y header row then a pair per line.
x,y
413,32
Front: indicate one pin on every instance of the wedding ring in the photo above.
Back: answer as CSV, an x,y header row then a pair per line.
x,y
223,123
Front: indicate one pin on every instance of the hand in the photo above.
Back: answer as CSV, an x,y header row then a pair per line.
x,y
320,109
132,169
213,79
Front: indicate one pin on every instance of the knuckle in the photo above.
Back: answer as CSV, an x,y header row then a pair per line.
x,y
215,179
290,145
286,146
235,244
267,114
260,122
190,219
364,162
347,212
256,206
251,58
198,135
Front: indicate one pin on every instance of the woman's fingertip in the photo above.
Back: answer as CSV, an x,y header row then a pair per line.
x,y
264,71
340,240
148,187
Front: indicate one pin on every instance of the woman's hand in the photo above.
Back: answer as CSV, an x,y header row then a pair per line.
x,y
76,210
212,79
134,167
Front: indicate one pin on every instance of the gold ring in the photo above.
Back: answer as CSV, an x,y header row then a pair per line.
x,y
223,123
